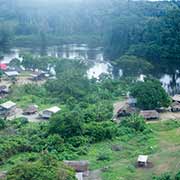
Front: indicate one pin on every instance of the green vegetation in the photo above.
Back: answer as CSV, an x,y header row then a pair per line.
x,y
133,66
44,168
150,94
138,37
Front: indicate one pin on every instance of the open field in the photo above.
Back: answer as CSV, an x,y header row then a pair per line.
x,y
163,149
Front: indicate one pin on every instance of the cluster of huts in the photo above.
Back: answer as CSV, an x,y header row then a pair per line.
x,y
9,109
13,72
129,107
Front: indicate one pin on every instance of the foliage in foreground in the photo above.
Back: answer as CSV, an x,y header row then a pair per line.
x,y
44,168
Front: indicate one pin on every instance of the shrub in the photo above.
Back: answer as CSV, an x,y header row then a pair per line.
x,y
103,157
177,177
165,176
135,122
2,124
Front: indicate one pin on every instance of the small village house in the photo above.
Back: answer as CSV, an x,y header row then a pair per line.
x,y
142,160
125,110
175,107
8,108
176,98
149,114
32,109
4,90
46,114
79,166
11,73
39,76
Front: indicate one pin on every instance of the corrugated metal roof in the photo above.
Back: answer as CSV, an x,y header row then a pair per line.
x,y
8,104
142,158
54,109
11,73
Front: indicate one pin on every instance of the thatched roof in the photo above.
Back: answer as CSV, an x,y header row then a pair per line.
x,y
31,109
175,106
150,114
176,98
78,166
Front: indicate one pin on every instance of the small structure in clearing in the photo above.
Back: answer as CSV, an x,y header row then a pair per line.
x,y
79,166
46,114
4,90
8,108
142,160
122,109
32,109
11,73
39,76
149,114
176,98
175,107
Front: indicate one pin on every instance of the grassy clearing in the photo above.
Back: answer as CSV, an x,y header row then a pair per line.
x,y
163,149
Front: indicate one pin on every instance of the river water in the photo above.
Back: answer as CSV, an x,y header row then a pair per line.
x,y
72,51
95,57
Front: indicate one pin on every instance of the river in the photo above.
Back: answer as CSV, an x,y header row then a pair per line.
x,y
72,51
95,56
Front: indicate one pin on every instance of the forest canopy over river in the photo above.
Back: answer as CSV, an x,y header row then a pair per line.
x,y
145,29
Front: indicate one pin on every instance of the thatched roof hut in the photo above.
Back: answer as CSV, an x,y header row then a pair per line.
x,y
149,114
175,107
32,109
125,110
176,98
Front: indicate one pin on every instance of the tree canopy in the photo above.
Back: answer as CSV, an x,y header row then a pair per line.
x,y
150,94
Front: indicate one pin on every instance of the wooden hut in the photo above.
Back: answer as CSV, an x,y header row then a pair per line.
x,y
79,166
150,114
47,113
39,76
11,73
122,109
142,160
175,107
8,108
176,98
4,90
32,109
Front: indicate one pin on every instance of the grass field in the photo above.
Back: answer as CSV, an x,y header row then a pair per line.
x,y
163,149
162,146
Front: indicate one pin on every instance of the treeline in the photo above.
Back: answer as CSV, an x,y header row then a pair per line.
x,y
145,33
116,23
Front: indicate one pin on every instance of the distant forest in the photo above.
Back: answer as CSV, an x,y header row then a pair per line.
x,y
149,30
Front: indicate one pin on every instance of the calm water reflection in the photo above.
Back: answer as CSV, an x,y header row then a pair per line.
x,y
72,51
171,82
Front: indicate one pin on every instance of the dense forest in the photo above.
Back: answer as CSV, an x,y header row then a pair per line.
x,y
144,29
